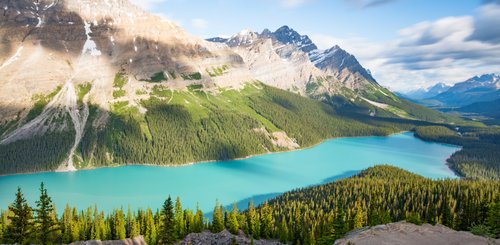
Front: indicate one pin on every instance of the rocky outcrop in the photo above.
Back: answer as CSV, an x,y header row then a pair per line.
x,y
410,234
222,238
136,241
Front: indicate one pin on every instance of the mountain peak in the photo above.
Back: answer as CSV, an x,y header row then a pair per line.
x,y
336,60
244,37
287,35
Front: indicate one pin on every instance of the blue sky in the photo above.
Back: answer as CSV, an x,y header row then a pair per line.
x,y
406,43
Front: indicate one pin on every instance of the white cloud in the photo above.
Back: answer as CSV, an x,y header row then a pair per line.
x,y
199,23
147,4
426,53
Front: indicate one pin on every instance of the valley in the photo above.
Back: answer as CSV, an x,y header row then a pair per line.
x,y
258,178
110,106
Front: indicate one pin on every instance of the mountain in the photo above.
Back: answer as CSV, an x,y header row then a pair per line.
x,y
91,83
287,35
476,89
489,108
425,93
336,64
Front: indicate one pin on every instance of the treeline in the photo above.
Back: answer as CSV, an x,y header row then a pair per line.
x,y
22,224
380,195
39,153
175,137
480,155
315,215
181,133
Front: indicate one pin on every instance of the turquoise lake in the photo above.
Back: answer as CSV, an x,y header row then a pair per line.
x,y
256,178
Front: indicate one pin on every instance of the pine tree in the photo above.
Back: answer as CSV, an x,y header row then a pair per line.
x,y
150,233
66,224
493,219
46,225
234,225
266,221
189,219
128,223
134,228
198,220
359,216
447,217
21,226
250,219
167,226
283,231
217,218
119,225
180,223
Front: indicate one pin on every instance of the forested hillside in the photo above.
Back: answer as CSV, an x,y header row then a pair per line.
x,y
177,127
480,156
315,215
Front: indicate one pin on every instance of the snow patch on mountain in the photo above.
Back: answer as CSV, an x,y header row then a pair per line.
x,y
90,46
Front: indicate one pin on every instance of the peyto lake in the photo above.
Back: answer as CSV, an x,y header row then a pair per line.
x,y
254,178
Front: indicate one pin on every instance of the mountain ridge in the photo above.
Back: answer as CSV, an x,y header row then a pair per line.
x,y
74,77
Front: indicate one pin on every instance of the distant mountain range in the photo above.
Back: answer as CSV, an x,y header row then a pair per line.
x,y
425,93
479,94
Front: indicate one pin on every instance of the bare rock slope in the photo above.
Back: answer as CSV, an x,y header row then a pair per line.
x,y
136,241
410,234
223,238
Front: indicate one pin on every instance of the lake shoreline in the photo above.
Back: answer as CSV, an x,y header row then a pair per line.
x,y
204,161
236,159
239,181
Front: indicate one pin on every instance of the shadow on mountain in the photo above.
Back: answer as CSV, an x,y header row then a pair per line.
x,y
63,31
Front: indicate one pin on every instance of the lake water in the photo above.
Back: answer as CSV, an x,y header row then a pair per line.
x,y
239,181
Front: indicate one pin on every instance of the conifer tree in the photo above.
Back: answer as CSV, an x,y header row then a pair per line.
x,y
21,221
150,233
283,231
66,224
198,220
250,219
46,225
359,216
217,218
167,225
180,224
234,225
119,225
493,219
266,221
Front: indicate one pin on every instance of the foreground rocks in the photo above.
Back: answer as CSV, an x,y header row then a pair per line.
x,y
410,234
222,238
136,241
